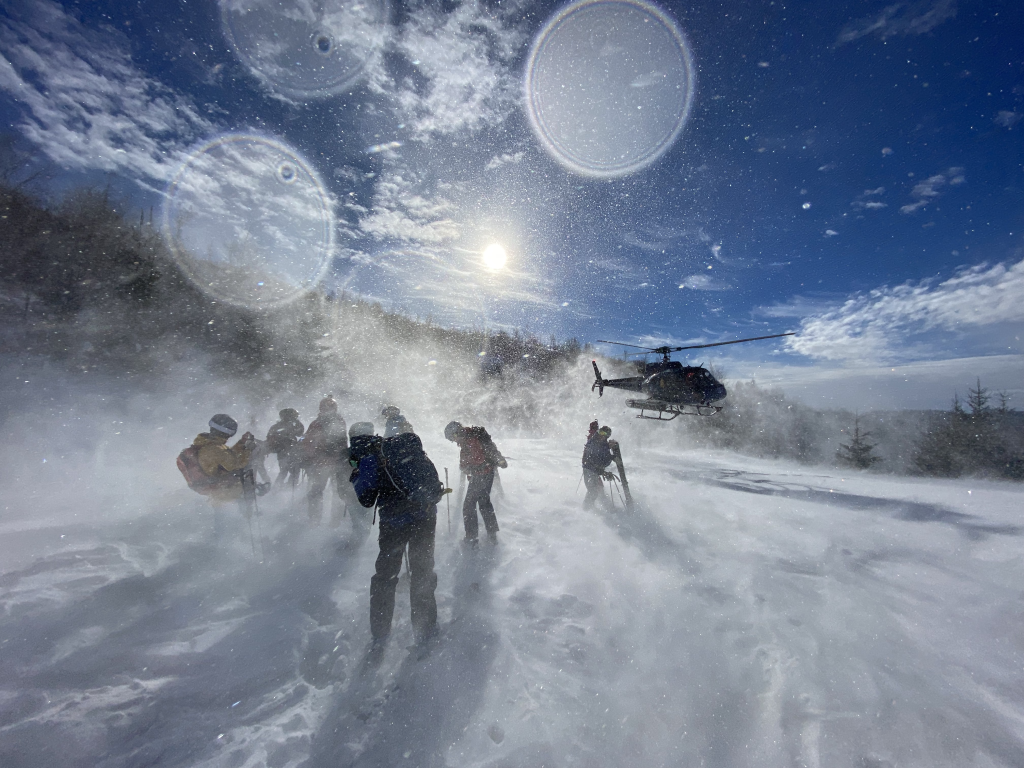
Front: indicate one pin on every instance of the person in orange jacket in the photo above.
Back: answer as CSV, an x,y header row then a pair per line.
x,y
219,462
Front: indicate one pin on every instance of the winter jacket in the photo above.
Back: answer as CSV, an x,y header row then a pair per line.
x,y
597,455
222,463
284,435
373,485
326,440
479,454
397,425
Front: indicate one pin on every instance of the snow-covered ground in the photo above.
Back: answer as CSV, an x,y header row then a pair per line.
x,y
747,613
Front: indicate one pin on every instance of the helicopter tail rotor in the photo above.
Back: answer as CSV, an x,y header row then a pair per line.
x,y
598,381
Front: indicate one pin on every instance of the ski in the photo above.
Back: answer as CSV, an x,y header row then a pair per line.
x,y
617,458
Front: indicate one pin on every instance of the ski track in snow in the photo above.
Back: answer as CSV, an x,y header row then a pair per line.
x,y
746,613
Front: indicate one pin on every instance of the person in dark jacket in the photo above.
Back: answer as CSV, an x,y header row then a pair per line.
x,y
325,454
394,422
404,522
283,441
597,455
478,459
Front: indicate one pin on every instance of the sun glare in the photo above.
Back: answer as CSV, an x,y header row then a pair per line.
x,y
495,256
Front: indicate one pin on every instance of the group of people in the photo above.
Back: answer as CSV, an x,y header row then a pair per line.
x,y
390,473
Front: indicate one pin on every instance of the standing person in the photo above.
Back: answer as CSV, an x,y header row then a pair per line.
x,y
395,474
360,439
282,441
394,422
326,452
597,455
478,458
217,470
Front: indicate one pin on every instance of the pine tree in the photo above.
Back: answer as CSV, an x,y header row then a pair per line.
x,y
858,453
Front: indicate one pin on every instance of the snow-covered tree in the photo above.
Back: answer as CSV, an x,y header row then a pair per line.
x,y
859,453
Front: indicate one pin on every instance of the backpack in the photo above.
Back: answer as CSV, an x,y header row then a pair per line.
x,y
198,481
281,438
410,470
481,449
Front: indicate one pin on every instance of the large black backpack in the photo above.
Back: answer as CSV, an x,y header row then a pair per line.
x,y
410,470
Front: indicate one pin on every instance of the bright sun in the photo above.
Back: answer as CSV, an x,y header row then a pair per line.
x,y
495,256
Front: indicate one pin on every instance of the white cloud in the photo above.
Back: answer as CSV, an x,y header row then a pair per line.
x,y
886,323
902,18
503,159
1007,119
863,202
867,387
702,282
400,212
86,106
929,189
465,57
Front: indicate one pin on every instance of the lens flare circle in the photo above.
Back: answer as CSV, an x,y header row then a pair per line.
x,y
287,173
608,86
495,256
306,49
248,221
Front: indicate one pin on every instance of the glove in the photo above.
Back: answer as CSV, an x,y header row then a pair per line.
x,y
502,464
607,475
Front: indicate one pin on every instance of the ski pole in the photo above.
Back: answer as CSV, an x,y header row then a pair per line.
x,y
579,483
259,527
448,499
246,502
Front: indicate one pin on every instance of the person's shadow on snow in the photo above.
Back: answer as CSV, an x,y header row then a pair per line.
x,y
433,695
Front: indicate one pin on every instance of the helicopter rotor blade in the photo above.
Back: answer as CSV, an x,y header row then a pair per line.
x,y
737,341
623,344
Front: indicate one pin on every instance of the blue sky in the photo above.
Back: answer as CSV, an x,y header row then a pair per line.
x,y
853,171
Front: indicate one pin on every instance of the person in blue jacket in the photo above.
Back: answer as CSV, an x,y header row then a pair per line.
x,y
405,520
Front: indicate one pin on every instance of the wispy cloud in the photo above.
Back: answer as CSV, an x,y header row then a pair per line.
x,y
1007,118
887,323
464,75
866,200
913,18
702,282
929,189
401,212
503,159
85,105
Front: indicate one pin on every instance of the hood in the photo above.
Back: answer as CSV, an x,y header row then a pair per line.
x,y
204,439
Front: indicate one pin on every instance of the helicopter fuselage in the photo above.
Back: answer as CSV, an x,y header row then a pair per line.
x,y
669,382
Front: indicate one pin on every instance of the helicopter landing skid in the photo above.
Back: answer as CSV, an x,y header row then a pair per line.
x,y
675,409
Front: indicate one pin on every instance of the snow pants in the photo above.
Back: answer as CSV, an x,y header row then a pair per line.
x,y
479,492
595,490
290,465
419,537
343,498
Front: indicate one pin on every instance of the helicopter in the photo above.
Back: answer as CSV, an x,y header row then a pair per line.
x,y
671,387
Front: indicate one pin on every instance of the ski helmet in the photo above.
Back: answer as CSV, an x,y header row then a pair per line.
x,y
606,431
289,413
360,428
452,430
390,411
222,424
328,405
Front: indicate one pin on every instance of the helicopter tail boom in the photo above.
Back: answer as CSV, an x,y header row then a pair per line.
x,y
598,381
